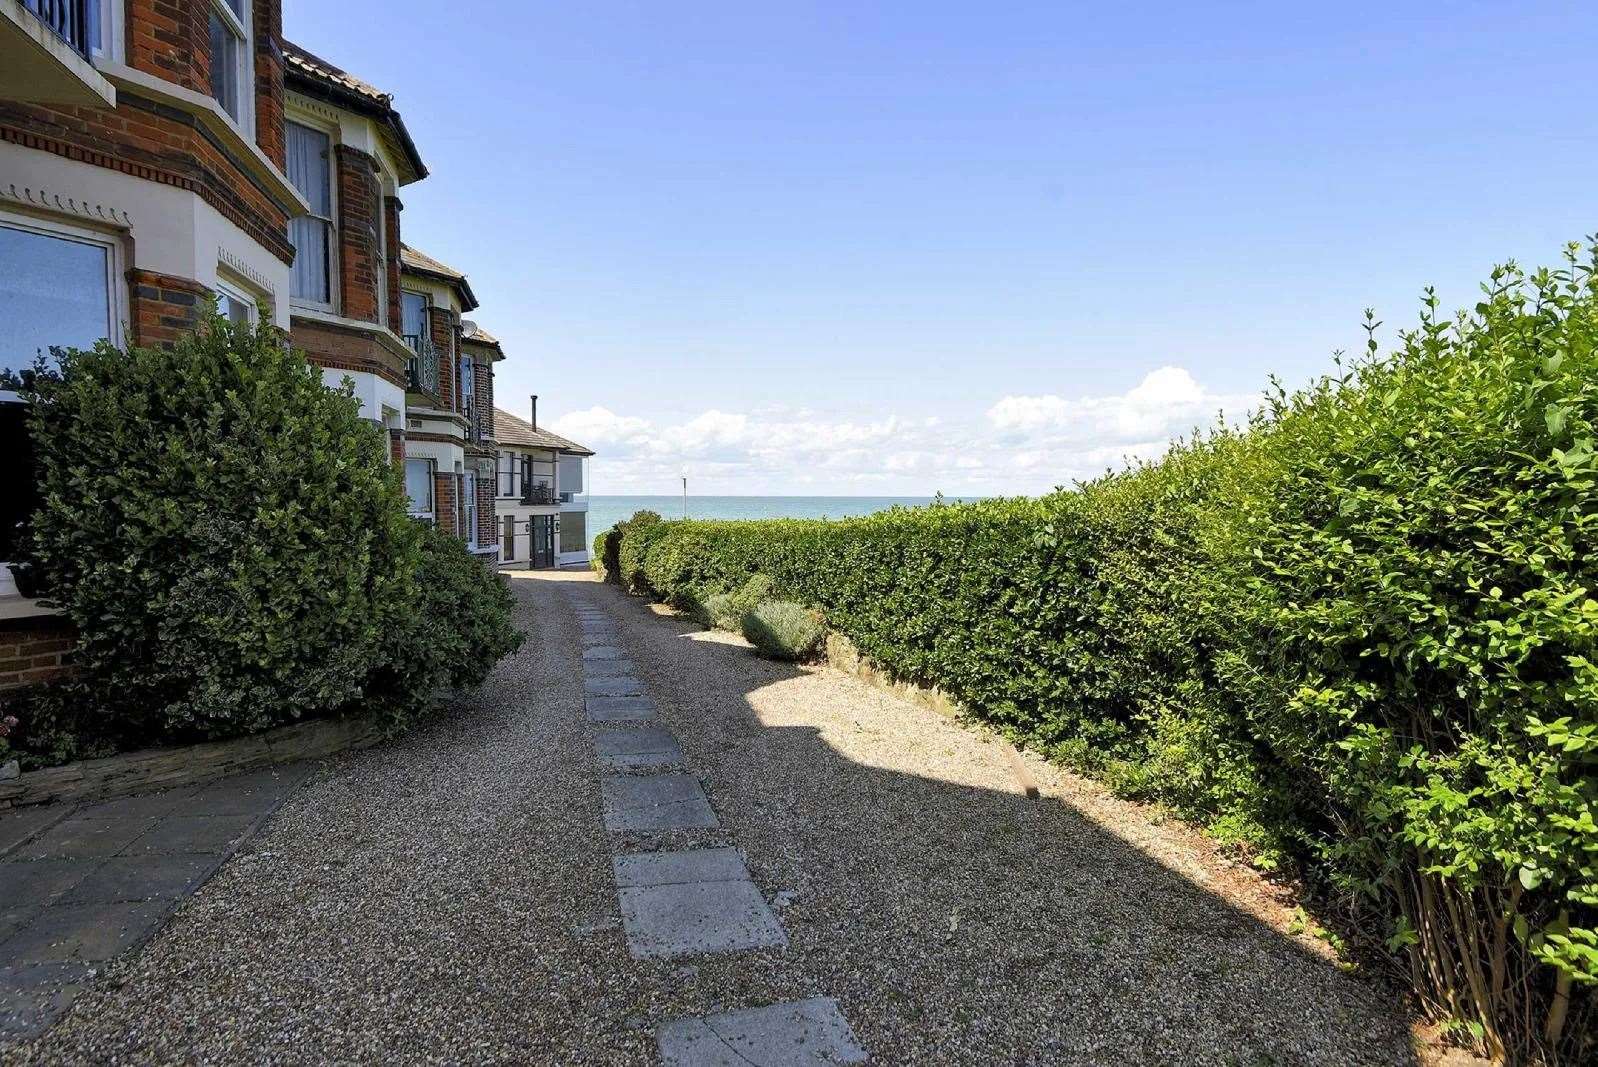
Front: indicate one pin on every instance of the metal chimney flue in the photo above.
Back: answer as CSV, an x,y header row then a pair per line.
x,y
535,411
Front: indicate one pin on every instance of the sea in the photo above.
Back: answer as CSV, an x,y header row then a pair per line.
x,y
605,511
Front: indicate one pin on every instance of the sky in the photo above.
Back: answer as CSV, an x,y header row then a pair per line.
x,y
902,248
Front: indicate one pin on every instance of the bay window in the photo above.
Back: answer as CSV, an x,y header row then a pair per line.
x,y
469,497
57,289
310,168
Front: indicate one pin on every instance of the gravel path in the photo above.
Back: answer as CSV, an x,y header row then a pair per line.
x,y
449,897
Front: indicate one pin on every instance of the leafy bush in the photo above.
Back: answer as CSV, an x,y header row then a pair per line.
x,y
721,611
459,627
230,538
782,629
618,564
1356,635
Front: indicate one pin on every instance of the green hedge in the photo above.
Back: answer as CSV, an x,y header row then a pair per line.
x,y
1357,636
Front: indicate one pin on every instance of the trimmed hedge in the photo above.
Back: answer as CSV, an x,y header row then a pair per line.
x,y
1356,635
231,539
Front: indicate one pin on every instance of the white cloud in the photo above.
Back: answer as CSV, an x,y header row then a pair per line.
x,y
1018,444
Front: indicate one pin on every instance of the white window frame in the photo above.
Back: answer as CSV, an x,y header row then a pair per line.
x,y
239,25
117,307
430,513
427,312
469,498
331,132
113,32
251,302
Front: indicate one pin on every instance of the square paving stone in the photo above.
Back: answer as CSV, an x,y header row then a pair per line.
x,y
620,709
33,995
88,932
255,793
86,838
151,877
599,638
38,881
801,1033
150,805
19,825
648,746
14,917
617,686
194,834
656,802
693,917
603,652
677,868
609,668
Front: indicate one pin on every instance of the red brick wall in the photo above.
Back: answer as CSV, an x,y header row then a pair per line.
x,y
164,308
158,143
270,136
391,219
172,40
487,532
35,650
446,330
396,446
483,379
360,212
446,501
349,349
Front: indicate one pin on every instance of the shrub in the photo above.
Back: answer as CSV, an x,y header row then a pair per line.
x,y
228,535
781,629
622,564
459,626
1356,635
721,611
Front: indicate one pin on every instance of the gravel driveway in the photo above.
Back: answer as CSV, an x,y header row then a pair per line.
x,y
449,897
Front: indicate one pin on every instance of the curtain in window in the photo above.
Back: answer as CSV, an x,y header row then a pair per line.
x,y
310,169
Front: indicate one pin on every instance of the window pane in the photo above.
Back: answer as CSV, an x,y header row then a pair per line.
x,y
310,239
419,483
413,314
224,65
53,292
233,309
309,166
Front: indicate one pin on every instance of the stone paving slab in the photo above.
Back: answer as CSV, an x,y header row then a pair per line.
x,y
676,868
802,1033
617,686
18,827
692,917
656,802
602,652
597,638
107,875
620,709
649,746
610,668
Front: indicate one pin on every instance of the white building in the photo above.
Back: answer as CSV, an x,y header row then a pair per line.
x,y
541,500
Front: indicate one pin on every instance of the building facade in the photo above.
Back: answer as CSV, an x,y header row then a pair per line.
x,y
542,497
159,155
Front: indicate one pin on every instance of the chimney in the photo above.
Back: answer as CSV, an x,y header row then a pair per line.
x,y
535,411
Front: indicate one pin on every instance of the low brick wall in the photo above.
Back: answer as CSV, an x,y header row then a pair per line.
x,y
34,649
163,768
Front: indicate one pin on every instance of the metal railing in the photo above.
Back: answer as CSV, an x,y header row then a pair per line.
x,y
423,364
71,20
537,492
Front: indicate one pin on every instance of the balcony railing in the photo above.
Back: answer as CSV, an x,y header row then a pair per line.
x,y
537,492
423,364
71,20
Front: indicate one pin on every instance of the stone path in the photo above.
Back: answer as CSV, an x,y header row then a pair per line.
x,y
687,902
880,883
81,884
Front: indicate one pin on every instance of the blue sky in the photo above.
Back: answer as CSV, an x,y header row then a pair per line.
x,y
977,248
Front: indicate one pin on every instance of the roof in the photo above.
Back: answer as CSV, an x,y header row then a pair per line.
x,y
317,77
509,430
421,263
470,331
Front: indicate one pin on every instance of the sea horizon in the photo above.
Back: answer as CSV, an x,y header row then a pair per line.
x,y
605,510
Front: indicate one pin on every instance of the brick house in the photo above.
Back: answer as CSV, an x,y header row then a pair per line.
x,y
542,497
157,154
449,429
